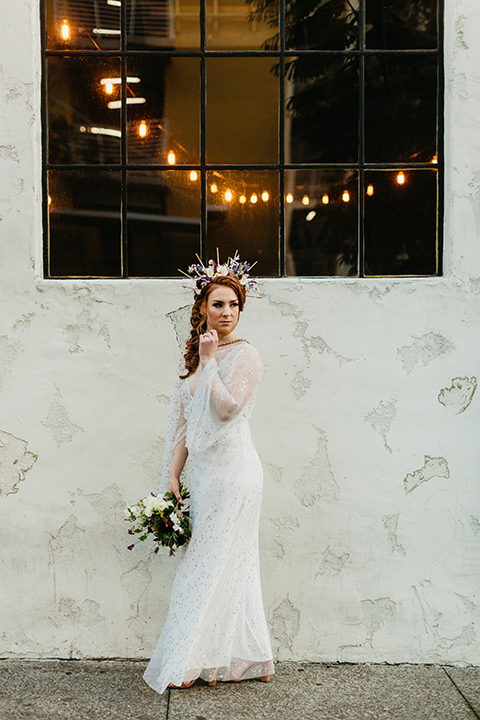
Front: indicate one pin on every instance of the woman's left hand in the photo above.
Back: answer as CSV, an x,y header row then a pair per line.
x,y
208,345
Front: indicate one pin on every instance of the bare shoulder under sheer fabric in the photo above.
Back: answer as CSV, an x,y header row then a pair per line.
x,y
216,627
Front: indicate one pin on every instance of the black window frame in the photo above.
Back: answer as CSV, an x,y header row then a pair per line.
x,y
282,55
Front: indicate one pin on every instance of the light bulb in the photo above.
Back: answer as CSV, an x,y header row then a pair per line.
x,y
193,175
109,88
171,158
228,195
214,188
49,199
310,215
401,178
346,196
306,200
289,198
325,199
142,129
243,199
370,190
253,198
265,196
65,30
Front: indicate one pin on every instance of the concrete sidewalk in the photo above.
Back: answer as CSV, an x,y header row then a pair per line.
x,y
114,690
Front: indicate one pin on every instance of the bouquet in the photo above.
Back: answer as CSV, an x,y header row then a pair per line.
x,y
164,518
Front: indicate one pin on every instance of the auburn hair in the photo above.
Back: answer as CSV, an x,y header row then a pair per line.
x,y
198,318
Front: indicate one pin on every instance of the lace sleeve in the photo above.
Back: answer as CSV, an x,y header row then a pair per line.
x,y
176,427
224,390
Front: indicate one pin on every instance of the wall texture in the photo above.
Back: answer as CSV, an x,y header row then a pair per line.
x,y
367,425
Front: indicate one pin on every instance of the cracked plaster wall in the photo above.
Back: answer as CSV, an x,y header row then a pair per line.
x,y
367,424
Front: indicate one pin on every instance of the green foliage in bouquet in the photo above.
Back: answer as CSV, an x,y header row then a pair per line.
x,y
164,520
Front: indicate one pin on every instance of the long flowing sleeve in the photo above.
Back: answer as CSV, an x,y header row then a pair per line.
x,y
176,427
223,396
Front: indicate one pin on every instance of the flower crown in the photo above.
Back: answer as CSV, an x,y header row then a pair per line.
x,y
204,274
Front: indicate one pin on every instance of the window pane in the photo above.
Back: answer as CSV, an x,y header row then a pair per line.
x,y
83,24
400,109
404,24
83,121
321,222
242,209
84,223
163,221
321,123
242,25
401,222
322,25
163,24
165,118
242,110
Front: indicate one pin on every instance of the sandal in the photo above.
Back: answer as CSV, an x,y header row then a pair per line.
x,y
183,685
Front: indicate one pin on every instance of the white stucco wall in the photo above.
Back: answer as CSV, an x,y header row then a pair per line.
x,y
371,522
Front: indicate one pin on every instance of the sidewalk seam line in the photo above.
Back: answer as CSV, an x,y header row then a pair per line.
x,y
461,693
168,703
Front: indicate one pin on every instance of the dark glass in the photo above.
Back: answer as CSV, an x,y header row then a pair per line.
x,y
83,120
242,110
246,220
401,222
163,217
321,222
321,123
401,24
321,25
169,119
84,223
163,25
401,108
242,24
83,24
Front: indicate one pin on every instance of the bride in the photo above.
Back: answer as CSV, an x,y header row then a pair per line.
x,y
216,627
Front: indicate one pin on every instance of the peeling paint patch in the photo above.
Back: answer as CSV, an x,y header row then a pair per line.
x,y
105,503
380,419
300,385
284,523
8,355
88,614
24,321
15,461
432,467
433,621
58,422
163,399
286,309
376,613
320,345
424,349
9,152
85,325
275,471
332,564
475,524
459,395
390,523
181,323
285,623
317,479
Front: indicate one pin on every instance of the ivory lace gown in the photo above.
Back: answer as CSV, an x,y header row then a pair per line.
x,y
216,627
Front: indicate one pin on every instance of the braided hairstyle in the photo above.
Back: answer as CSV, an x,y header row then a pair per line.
x,y
198,318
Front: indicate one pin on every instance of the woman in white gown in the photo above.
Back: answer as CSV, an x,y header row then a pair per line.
x,y
216,627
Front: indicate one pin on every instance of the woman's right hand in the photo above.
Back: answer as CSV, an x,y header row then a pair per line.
x,y
207,346
173,487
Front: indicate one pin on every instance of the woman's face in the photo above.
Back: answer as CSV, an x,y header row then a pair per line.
x,y
222,310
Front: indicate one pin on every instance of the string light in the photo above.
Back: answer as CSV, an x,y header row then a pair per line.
x,y
370,190
228,196
214,188
306,200
401,178
289,198
109,88
310,215
253,198
171,158
434,160
243,199
325,199
346,196
193,175
142,129
65,30
49,199
265,196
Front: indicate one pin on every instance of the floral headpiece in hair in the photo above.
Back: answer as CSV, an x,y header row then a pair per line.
x,y
204,274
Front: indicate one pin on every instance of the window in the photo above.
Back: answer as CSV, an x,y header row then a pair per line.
x,y
307,134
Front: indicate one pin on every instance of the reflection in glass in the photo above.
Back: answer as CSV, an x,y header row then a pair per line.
x,y
83,122
242,214
83,24
321,222
163,110
163,24
241,24
400,108
242,110
321,123
163,216
84,223
322,25
408,24
401,222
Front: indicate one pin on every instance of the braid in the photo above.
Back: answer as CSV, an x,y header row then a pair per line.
x,y
198,320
